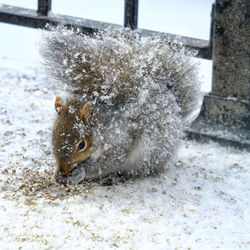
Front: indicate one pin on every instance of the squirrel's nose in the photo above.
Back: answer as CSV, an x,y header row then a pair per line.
x,y
63,168
63,171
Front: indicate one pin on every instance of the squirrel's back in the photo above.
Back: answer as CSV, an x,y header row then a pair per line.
x,y
112,66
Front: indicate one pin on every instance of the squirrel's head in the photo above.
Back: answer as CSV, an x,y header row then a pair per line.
x,y
72,135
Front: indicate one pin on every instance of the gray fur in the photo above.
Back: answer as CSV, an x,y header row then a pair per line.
x,y
143,90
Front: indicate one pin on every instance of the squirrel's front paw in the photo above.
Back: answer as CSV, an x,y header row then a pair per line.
x,y
60,178
75,177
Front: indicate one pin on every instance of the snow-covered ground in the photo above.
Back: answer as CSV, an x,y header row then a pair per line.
x,y
201,202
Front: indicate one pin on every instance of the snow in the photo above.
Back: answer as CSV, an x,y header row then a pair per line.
x,y
200,202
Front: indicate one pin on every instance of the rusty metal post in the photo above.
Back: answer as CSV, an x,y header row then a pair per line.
x,y
225,113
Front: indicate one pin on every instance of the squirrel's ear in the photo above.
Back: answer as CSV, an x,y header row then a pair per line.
x,y
87,112
59,106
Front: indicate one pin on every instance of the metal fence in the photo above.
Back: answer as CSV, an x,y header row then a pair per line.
x,y
40,17
225,113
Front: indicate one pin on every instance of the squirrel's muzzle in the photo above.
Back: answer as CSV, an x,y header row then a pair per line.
x,y
64,168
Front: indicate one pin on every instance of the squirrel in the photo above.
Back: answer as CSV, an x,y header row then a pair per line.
x,y
128,99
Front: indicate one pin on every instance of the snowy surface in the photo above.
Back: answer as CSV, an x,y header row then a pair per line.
x,y
201,202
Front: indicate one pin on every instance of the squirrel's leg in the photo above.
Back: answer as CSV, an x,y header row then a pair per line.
x,y
115,179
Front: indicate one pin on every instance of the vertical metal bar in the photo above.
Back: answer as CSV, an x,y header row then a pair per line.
x,y
131,14
44,6
212,28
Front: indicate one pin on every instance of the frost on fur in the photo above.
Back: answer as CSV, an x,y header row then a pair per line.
x,y
142,88
113,65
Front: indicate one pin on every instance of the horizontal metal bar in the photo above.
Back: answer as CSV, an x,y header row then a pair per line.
x,y
30,18
202,46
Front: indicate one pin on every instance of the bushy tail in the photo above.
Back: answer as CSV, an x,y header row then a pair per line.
x,y
116,64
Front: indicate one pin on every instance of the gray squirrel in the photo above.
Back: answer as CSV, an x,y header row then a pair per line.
x,y
128,99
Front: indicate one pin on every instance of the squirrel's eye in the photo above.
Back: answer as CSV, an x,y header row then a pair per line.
x,y
81,145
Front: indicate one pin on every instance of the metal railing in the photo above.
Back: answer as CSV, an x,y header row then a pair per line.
x,y
225,112
40,17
